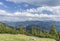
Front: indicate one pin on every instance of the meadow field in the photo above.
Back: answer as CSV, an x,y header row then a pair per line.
x,y
19,37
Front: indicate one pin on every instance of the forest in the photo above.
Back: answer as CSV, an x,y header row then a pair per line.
x,y
32,30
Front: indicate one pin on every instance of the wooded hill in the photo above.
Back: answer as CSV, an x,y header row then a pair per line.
x,y
33,30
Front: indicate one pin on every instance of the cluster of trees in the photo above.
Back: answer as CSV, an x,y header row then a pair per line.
x,y
34,30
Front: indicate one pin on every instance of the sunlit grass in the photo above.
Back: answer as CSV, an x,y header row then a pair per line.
x,y
19,37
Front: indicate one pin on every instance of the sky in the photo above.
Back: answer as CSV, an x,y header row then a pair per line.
x,y
29,10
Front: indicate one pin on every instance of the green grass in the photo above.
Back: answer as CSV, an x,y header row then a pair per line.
x,y
19,37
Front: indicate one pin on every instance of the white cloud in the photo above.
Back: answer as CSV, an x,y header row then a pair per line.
x,y
29,1
26,5
39,2
1,3
19,1
55,9
28,16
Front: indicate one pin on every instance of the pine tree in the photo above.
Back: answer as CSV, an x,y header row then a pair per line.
x,y
21,29
53,30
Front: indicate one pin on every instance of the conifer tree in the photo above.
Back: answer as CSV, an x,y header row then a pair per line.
x,y
53,30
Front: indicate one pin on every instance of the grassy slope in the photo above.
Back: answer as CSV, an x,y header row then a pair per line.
x,y
19,37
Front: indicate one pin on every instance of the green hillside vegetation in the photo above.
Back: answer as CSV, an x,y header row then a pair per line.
x,y
34,31
20,37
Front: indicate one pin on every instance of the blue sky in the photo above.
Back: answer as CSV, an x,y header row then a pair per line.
x,y
29,10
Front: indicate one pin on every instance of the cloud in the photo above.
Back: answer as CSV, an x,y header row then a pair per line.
x,y
32,14
1,3
39,2
54,9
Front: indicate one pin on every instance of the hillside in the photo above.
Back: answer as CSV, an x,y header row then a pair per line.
x,y
19,37
30,30
44,24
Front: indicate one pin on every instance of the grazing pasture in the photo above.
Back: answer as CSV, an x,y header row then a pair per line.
x,y
19,37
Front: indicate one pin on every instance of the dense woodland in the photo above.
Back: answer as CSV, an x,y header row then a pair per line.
x,y
33,30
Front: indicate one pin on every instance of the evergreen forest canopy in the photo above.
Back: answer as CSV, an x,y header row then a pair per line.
x,y
32,30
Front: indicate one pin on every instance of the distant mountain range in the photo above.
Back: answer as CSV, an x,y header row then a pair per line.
x,y
44,24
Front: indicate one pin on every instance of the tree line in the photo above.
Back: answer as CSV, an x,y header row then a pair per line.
x,y
32,31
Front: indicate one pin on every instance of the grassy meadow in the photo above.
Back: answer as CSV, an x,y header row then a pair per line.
x,y
19,37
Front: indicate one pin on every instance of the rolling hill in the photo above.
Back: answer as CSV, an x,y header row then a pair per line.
x,y
44,24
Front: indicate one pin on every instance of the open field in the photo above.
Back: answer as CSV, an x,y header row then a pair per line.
x,y
19,37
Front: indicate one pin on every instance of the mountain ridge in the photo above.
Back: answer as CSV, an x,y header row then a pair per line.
x,y
43,24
